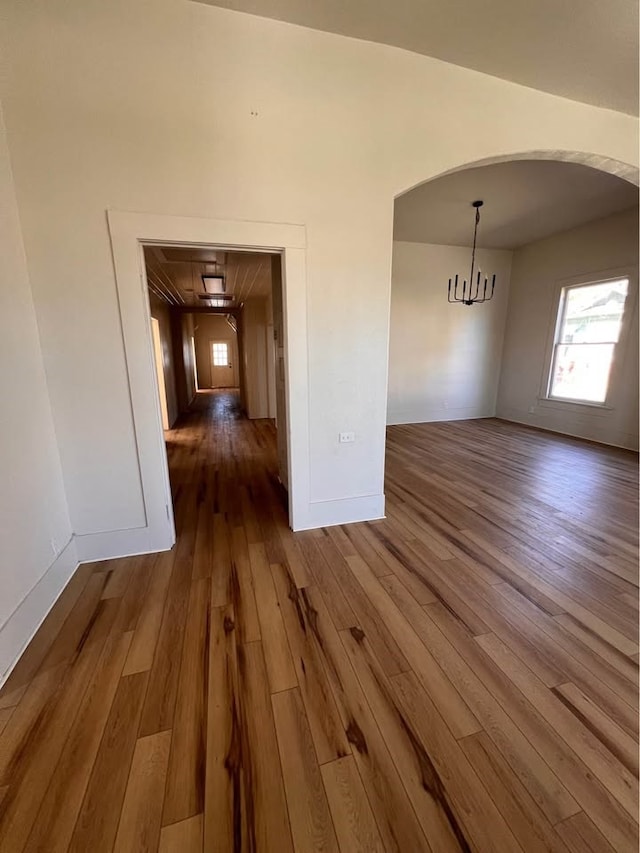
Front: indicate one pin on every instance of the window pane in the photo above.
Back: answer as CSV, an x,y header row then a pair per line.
x,y
593,314
220,358
582,371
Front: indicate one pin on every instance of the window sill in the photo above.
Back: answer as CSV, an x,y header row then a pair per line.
x,y
561,402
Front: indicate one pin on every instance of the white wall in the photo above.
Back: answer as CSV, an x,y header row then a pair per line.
x,y
315,129
444,360
34,522
257,365
272,411
538,272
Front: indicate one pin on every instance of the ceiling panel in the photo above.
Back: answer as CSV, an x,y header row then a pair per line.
x,y
175,274
524,201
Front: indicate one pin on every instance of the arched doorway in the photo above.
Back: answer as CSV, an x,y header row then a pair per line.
x,y
448,362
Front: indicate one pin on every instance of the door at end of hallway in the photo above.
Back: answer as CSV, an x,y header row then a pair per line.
x,y
223,370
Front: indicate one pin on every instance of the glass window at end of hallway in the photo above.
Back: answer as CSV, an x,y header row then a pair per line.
x,y
220,355
588,326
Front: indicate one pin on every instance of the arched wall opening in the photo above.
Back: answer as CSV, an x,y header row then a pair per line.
x,y
455,362
626,171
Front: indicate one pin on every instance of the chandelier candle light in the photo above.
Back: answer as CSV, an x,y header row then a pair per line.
x,y
468,297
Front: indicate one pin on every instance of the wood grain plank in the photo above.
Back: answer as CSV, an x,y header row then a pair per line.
x,y
184,795
581,836
265,803
203,548
326,726
451,775
282,675
5,716
353,819
19,727
450,703
396,819
147,629
56,819
574,775
32,758
618,780
159,706
242,592
492,530
183,837
439,820
603,683
615,739
626,665
386,647
119,575
78,623
524,817
311,824
224,827
135,594
98,819
489,697
221,562
25,669
322,576
139,827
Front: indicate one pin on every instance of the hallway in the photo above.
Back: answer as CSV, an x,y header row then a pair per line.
x,y
459,676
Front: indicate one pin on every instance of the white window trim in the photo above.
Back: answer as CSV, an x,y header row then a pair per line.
x,y
228,358
600,277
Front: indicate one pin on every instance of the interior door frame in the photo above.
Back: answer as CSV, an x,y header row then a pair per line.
x,y
129,233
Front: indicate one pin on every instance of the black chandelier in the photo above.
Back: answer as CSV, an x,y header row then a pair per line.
x,y
472,294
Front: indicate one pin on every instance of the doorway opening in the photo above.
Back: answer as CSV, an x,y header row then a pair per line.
x,y
219,348
553,224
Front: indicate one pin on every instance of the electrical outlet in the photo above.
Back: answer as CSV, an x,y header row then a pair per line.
x,y
532,410
346,437
54,546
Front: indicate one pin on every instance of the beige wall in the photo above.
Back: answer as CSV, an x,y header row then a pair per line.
x,y
257,320
182,329
188,357
316,129
160,310
539,270
34,521
444,360
208,328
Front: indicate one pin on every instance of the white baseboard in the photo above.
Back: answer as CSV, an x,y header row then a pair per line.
x,y
589,429
398,418
109,545
19,629
346,511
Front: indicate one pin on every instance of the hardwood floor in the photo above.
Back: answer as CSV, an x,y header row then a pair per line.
x,y
460,676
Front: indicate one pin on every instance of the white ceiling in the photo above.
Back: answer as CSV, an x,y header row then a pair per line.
x,y
175,274
586,50
524,201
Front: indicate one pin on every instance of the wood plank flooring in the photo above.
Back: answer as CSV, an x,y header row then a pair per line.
x,y
461,676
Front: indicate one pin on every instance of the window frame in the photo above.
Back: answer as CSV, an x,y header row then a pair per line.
x,y
224,344
558,309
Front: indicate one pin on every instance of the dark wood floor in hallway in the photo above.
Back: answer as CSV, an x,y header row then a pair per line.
x,y
462,676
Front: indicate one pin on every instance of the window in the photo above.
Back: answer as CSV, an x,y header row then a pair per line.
x,y
587,331
220,355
